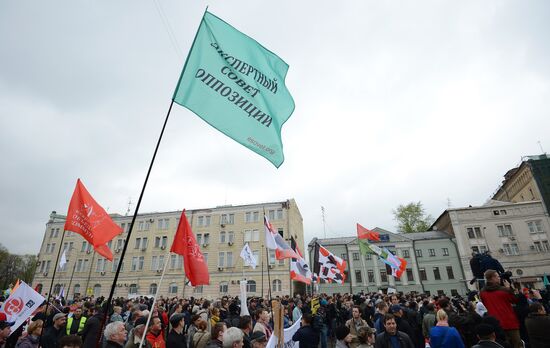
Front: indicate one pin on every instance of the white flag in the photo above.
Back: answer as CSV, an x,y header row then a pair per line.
x,y
63,260
21,305
248,257
244,305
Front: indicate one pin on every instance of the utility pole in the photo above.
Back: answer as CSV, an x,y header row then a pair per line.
x,y
324,222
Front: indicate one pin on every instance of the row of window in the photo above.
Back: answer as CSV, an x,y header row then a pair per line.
x,y
409,273
404,253
505,230
512,248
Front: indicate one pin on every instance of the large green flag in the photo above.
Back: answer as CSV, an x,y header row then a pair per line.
x,y
237,86
365,247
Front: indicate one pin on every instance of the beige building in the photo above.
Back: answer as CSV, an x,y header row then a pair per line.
x,y
517,234
221,232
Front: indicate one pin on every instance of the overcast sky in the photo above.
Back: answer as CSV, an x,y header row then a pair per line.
x,y
396,101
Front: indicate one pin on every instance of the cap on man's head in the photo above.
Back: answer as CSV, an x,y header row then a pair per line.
x,y
395,308
484,330
59,316
257,336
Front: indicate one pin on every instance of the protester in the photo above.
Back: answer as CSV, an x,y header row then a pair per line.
x,y
343,337
76,322
34,331
245,324
306,335
71,341
137,335
233,338
498,300
443,336
391,337
428,321
538,326
201,336
92,328
297,311
262,323
116,316
115,334
487,337
381,311
5,328
53,333
354,324
216,337
367,337
258,340
154,335
401,321
176,337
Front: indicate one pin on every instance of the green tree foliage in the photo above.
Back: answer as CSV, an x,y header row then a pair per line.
x,y
412,218
13,267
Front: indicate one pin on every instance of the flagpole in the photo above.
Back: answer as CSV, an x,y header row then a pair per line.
x,y
262,259
71,280
153,305
268,274
54,272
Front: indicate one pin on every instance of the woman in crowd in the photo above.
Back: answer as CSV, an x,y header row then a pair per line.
x,y
443,336
33,335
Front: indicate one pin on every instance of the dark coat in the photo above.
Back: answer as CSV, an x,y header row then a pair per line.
x,y
91,331
383,340
307,336
111,344
176,340
214,344
404,326
538,327
28,341
51,336
487,344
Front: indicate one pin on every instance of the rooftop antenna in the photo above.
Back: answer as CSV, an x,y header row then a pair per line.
x,y
129,205
541,149
324,222
449,202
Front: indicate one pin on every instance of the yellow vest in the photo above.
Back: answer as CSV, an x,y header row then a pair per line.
x,y
80,325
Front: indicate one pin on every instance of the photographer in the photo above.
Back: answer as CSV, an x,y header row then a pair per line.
x,y
498,300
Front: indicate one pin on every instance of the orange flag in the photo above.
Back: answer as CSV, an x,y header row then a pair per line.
x,y
186,245
87,218
365,233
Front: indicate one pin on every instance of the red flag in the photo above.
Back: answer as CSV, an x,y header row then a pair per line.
x,y
186,245
365,233
90,220
274,241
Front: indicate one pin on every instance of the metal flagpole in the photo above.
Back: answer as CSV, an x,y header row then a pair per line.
x,y
153,305
268,275
71,280
262,259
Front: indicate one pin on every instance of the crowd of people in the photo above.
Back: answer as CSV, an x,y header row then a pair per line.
x,y
500,315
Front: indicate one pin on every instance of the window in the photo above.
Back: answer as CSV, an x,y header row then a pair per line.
x,y
224,287
134,263
132,290
505,230
410,276
85,265
277,285
143,226
370,276
119,244
474,232
358,277
251,286
207,220
252,216
405,253
384,276
123,226
418,252
229,259
275,214
144,243
221,259
445,251
450,273
206,238
100,266
355,256
535,226
222,237
138,243
495,212
542,246
163,224
115,265
52,231
176,262
161,241
510,248
76,289
227,219
431,252
199,239
154,263
344,256
437,275
198,289
423,275
368,257
152,289
141,260
48,248
173,288
545,245
251,235
271,257
97,290
230,237
84,246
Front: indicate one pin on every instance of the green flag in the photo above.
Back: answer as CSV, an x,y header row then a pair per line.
x,y
364,247
237,86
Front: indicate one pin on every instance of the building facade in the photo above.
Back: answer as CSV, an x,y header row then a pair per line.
x,y
221,233
515,233
432,259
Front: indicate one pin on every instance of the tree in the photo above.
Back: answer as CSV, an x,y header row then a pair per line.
x,y
13,267
412,218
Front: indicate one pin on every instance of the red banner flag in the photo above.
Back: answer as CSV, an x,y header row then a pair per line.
x,y
186,245
87,218
365,233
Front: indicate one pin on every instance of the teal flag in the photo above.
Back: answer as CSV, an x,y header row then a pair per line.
x,y
237,86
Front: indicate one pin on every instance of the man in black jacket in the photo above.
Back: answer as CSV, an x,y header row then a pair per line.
x,y
92,327
176,337
487,337
392,338
306,335
55,332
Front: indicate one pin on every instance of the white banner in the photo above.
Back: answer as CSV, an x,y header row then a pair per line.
x,y
288,333
21,304
244,306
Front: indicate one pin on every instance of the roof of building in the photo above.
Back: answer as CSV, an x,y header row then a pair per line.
x,y
410,236
426,235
